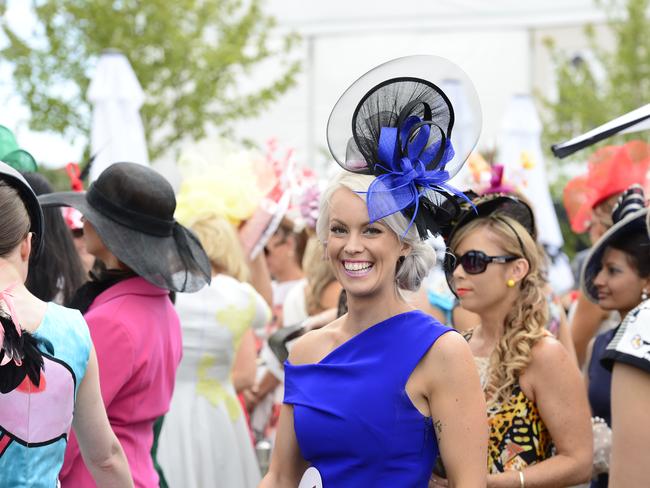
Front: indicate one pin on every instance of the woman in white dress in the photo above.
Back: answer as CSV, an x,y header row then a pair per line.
x,y
204,439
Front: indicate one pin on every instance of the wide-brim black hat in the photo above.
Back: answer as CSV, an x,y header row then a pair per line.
x,y
14,179
396,122
132,209
629,217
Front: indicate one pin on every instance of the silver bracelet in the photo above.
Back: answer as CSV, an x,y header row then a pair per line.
x,y
522,482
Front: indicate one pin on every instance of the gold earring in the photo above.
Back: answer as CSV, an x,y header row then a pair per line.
x,y
510,283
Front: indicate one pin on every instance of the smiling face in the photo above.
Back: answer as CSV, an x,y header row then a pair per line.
x,y
364,256
618,282
484,291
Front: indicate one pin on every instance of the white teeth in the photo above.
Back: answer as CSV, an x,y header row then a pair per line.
x,y
356,266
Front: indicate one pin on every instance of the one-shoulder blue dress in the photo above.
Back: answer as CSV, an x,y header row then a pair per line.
x,y
353,420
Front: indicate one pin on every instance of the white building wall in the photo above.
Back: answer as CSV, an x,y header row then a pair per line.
x,y
499,44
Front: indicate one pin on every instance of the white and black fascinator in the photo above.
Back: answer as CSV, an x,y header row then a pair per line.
x,y
396,123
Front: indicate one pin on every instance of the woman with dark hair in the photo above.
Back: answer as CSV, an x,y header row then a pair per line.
x,y
129,226
589,200
57,273
617,277
48,367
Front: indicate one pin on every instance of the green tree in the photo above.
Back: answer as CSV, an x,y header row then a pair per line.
x,y
584,101
188,55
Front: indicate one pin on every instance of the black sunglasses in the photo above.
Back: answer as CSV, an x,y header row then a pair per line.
x,y
474,262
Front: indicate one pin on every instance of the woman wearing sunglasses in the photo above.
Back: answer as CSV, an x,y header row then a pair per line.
x,y
540,433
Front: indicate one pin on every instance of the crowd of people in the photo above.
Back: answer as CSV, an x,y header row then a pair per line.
x,y
138,350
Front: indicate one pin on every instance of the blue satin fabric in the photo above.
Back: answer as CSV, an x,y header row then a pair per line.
x,y
353,419
404,169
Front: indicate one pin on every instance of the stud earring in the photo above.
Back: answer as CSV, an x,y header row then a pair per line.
x,y
644,294
510,283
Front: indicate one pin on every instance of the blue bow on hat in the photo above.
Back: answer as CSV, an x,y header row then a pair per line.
x,y
404,157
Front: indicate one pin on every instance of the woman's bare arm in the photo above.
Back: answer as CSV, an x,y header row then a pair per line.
x,y
99,446
287,464
458,410
629,464
261,278
244,365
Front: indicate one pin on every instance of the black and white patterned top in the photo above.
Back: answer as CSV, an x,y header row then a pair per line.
x,y
631,342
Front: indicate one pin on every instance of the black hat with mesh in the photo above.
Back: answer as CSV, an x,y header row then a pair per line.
x,y
404,99
132,209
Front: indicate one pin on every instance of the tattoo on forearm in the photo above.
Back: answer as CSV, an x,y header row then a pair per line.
x,y
438,426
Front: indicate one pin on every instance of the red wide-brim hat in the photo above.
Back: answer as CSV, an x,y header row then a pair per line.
x,y
611,170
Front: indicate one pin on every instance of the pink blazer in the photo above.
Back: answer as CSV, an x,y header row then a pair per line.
x,y
137,337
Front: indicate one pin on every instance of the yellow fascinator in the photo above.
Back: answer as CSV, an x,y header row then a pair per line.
x,y
221,178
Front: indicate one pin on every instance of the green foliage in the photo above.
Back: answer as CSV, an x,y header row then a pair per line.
x,y
187,54
585,102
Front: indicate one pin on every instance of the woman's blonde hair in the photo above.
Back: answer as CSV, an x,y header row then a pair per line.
x,y
319,275
219,239
416,264
525,324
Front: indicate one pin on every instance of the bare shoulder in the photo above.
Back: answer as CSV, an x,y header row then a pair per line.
x,y
548,351
550,364
450,345
314,345
449,353
447,367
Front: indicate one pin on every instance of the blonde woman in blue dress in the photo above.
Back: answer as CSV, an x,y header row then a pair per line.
x,y
375,397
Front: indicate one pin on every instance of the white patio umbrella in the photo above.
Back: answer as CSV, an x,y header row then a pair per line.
x,y
519,146
116,133
634,121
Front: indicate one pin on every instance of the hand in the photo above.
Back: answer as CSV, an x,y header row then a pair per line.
x,y
251,397
437,481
